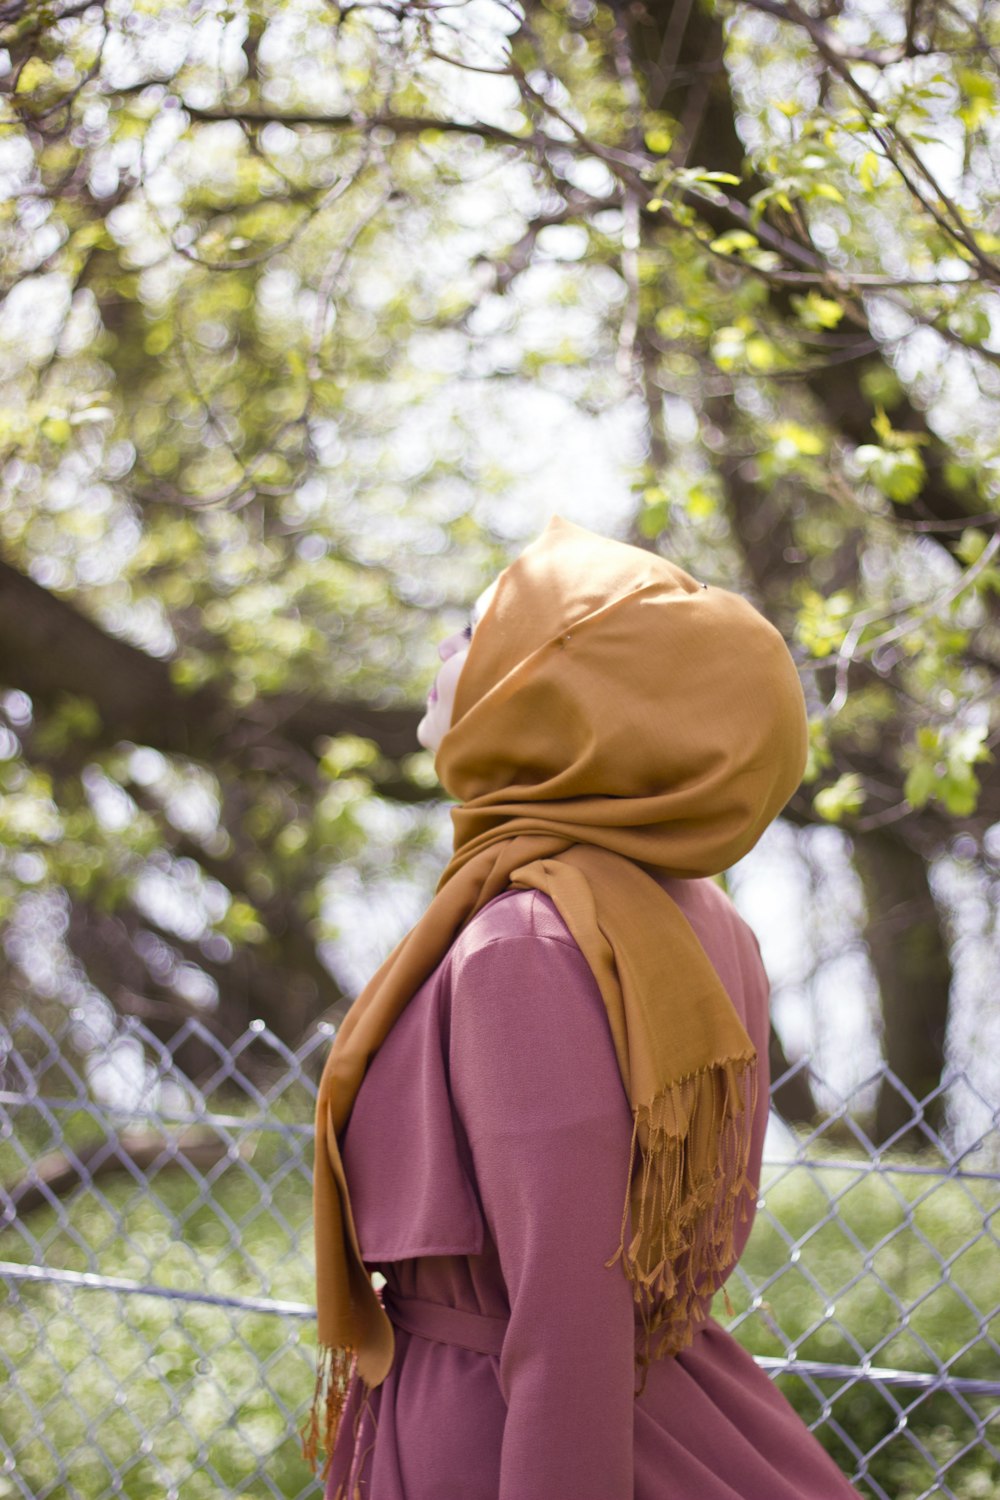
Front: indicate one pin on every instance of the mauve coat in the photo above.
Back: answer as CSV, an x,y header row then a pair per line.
x,y
486,1156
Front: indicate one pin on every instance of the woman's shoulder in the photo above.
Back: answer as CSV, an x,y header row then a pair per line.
x,y
527,917
515,915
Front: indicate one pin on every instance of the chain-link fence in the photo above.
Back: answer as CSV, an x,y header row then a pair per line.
x,y
156,1327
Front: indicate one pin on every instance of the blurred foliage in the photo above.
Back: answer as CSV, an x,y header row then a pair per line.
x,y
270,270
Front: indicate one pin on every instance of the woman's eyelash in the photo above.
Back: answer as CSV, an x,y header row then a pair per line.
x,y
467,631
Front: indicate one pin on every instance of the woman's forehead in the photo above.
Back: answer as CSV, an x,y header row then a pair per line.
x,y
482,603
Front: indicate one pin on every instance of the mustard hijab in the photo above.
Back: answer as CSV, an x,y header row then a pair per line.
x,y
612,712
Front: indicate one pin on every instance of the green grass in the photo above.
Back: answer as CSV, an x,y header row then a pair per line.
x,y
190,1400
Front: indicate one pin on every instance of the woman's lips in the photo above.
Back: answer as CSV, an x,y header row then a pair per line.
x,y
432,694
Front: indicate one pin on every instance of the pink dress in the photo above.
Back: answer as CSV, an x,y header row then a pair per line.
x,y
485,1156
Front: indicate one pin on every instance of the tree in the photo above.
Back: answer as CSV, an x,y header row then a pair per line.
x,y
273,276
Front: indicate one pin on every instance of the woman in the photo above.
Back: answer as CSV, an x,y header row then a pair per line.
x,y
542,1120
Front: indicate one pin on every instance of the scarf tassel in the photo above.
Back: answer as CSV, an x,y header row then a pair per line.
x,y
694,1138
334,1366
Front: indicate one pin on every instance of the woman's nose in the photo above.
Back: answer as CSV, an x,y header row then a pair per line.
x,y
448,646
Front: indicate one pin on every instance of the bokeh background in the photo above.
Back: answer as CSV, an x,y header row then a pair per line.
x,y
311,316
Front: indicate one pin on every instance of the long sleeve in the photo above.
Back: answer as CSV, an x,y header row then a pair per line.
x,y
537,1087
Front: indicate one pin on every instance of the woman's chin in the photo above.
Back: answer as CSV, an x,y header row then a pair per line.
x,y
426,734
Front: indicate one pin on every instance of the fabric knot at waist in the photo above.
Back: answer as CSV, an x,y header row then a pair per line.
x,y
445,1324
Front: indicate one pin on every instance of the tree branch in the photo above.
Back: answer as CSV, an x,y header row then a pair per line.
x,y
50,650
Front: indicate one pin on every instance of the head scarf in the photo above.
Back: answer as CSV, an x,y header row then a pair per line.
x,y
612,713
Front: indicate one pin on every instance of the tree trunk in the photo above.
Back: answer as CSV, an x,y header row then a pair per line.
x,y
909,952
793,1100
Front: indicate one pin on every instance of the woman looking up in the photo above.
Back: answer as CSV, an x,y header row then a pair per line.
x,y
453,650
542,1120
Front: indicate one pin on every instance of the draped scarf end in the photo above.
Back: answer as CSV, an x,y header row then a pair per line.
x,y
693,1138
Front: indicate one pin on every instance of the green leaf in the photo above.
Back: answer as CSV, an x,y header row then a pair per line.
x,y
57,430
899,475
960,791
822,622
972,324
346,753
242,925
819,755
761,353
919,784
792,438
867,170
968,745
845,797
653,519
978,97
701,503
34,75
734,239
190,672
891,437
658,140
943,767
816,311
971,545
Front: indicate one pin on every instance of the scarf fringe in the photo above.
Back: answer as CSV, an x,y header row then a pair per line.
x,y
694,1140
335,1366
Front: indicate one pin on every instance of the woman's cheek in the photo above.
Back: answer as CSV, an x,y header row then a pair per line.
x,y
448,683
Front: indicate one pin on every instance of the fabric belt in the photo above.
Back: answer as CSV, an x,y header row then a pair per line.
x,y
452,1325
445,1324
